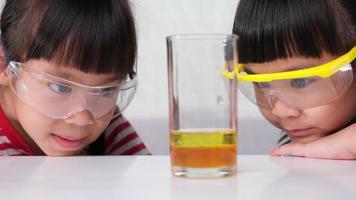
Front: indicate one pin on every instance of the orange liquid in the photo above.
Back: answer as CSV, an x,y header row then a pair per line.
x,y
203,148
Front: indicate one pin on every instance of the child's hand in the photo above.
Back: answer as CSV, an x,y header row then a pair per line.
x,y
340,145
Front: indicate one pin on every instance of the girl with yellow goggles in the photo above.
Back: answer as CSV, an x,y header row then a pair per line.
x,y
298,66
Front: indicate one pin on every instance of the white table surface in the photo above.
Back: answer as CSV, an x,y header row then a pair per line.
x,y
149,177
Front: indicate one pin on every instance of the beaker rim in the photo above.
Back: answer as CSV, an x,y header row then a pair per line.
x,y
201,36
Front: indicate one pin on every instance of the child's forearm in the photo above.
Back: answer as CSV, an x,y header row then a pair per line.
x,y
340,145
350,137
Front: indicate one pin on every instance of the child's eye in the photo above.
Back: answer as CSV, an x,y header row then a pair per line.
x,y
59,88
262,85
301,83
109,94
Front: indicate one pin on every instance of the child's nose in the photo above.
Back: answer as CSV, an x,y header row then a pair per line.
x,y
280,109
81,118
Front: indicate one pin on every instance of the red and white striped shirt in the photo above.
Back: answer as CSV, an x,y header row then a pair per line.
x,y
120,138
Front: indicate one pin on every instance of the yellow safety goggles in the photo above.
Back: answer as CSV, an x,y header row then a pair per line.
x,y
323,71
303,88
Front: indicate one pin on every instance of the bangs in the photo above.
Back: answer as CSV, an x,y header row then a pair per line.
x,y
278,29
92,36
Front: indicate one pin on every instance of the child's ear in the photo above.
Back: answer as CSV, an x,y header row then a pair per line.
x,y
3,60
3,57
4,75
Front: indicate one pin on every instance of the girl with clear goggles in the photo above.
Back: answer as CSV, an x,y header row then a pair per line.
x,y
58,98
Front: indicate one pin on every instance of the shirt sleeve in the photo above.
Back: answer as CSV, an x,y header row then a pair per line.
x,y
284,139
120,138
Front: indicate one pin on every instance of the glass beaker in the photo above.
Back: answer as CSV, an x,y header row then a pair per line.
x,y
202,105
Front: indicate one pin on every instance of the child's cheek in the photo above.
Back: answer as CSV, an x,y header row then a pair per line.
x,y
266,113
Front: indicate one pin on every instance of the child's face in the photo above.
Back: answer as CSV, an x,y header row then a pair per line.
x,y
305,125
58,136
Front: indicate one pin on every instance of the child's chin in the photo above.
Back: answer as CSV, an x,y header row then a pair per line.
x,y
303,140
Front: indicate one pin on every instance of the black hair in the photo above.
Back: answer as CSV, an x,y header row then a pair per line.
x,y
277,29
91,35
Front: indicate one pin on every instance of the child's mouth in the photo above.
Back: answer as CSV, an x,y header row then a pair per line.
x,y
66,142
298,132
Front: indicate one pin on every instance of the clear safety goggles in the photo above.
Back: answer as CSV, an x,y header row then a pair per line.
x,y
298,89
58,98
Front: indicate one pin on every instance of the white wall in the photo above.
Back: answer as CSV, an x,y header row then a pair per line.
x,y
149,110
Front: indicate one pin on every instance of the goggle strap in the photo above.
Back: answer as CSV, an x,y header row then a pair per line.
x,y
226,74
